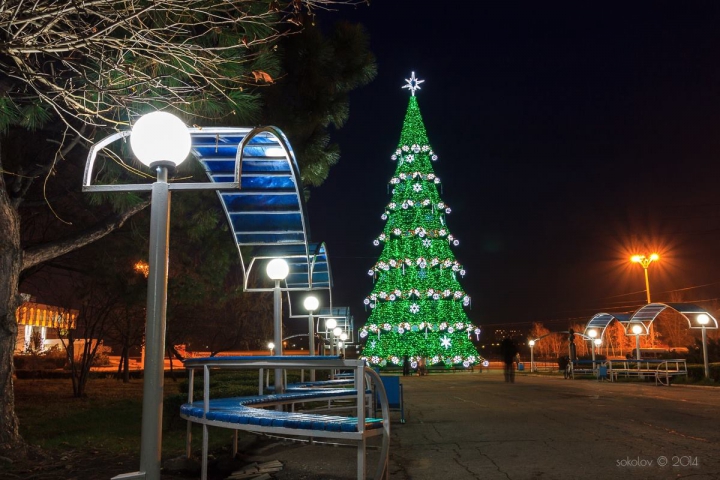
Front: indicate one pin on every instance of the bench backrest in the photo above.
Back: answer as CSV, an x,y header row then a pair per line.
x,y
392,389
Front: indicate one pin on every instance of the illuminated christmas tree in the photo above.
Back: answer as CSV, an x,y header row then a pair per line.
x,y
418,305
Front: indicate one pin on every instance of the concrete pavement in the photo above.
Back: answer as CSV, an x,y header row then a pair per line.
x,y
476,426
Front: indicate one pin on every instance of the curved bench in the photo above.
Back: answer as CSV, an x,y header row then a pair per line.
x,y
227,412
250,413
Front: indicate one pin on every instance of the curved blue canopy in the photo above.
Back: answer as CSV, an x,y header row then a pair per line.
x,y
647,314
600,321
267,215
256,176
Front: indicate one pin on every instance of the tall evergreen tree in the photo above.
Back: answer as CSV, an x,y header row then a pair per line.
x,y
417,302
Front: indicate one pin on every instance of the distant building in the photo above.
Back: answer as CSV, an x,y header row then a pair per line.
x,y
508,332
43,321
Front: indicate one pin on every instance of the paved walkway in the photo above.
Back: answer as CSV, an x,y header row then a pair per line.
x,y
476,426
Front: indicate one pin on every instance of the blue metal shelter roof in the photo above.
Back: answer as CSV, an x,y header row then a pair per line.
x,y
648,313
267,215
256,176
601,320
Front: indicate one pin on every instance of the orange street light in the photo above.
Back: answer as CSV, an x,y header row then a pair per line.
x,y
142,267
645,263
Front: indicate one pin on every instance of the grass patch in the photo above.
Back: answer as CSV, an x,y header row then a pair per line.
x,y
109,417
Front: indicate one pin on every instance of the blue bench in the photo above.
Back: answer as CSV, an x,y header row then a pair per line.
x,y
394,391
250,413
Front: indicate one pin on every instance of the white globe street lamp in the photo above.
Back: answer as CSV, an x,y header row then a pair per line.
x,y
592,333
330,324
311,304
277,269
532,357
159,140
637,330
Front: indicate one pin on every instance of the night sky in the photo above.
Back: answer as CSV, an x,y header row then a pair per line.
x,y
570,136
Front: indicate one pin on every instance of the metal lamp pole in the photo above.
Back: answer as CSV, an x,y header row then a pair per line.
x,y
330,325
703,320
152,140
592,334
311,304
277,270
637,329
160,141
645,263
532,358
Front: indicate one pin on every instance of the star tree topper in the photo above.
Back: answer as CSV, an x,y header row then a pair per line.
x,y
413,84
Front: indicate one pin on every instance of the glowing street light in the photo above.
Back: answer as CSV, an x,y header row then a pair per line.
x,y
637,330
645,263
592,333
271,347
343,342
330,324
311,304
277,269
703,320
161,141
532,358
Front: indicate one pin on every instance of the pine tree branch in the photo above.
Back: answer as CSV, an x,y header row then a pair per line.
x,y
42,253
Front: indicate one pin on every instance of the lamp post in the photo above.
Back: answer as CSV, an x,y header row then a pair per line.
x,y
337,331
311,304
277,270
330,325
592,333
271,347
637,329
161,141
343,342
645,263
532,358
703,320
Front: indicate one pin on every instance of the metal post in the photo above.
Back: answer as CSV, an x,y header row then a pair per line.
x,y
311,344
532,358
277,334
592,347
705,354
637,347
154,367
647,283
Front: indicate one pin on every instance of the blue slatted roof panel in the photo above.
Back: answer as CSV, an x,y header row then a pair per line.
x,y
648,312
267,215
239,202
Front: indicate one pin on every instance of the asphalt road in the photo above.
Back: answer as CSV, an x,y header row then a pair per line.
x,y
476,426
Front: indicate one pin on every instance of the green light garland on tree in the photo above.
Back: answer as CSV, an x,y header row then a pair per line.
x,y
417,302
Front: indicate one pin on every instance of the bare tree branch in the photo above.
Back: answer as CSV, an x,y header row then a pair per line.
x,y
42,253
104,61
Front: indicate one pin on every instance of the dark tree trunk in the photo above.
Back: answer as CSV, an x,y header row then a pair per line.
x,y
118,374
126,364
10,265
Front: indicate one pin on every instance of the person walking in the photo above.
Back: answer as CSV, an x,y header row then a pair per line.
x,y
508,351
